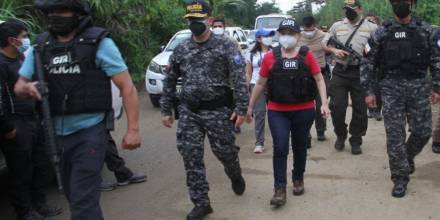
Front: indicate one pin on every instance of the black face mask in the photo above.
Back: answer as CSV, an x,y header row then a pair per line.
x,y
197,27
402,9
62,26
351,14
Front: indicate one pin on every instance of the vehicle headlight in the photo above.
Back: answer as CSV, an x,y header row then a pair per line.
x,y
154,67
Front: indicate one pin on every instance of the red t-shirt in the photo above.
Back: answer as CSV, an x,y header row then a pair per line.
x,y
266,67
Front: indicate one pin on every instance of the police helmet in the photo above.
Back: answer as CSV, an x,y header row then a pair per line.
x,y
80,6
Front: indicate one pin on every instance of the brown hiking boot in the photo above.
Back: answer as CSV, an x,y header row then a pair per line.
x,y
279,197
298,187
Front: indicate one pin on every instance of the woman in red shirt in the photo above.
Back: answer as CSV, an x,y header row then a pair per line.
x,y
291,75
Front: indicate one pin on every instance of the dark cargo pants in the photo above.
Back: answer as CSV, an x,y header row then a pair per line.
x,y
28,163
114,162
191,131
339,89
82,159
405,101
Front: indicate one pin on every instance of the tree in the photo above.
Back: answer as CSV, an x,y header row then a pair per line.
x,y
266,8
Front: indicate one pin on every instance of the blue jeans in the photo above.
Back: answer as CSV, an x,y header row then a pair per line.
x,y
294,124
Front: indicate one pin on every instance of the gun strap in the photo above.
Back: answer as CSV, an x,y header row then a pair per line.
x,y
347,44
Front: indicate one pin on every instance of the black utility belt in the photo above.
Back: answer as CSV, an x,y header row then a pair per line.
x,y
208,105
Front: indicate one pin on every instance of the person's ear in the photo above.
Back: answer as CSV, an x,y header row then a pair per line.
x,y
11,40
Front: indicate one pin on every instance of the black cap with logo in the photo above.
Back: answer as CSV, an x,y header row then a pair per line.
x,y
197,9
289,24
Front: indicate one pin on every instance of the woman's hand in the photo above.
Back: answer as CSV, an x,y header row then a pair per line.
x,y
325,111
249,115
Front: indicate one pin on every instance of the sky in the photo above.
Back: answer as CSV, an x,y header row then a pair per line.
x,y
284,5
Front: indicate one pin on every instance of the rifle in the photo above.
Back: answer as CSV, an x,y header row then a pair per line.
x,y
48,130
338,45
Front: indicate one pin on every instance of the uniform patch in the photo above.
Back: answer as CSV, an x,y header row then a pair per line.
x,y
238,60
62,64
289,64
367,48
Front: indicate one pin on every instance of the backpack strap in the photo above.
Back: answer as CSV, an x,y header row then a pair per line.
x,y
277,53
303,51
93,35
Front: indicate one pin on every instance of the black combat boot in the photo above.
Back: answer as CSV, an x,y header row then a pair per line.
x,y
238,185
46,210
399,189
321,136
340,143
356,149
436,147
199,212
279,197
356,143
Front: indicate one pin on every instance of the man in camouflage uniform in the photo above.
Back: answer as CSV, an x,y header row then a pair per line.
x,y
206,64
402,50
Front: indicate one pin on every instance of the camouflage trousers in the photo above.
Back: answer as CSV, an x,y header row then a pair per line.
x,y
191,131
405,101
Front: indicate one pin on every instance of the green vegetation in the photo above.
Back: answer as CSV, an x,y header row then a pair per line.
x,y
331,11
140,27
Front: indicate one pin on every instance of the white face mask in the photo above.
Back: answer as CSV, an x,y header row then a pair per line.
x,y
309,34
218,31
288,41
267,41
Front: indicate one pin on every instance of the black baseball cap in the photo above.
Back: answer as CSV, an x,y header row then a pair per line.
x,y
197,9
289,24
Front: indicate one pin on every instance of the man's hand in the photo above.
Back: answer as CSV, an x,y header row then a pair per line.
x,y
32,91
238,119
371,101
11,135
131,140
340,53
435,97
167,121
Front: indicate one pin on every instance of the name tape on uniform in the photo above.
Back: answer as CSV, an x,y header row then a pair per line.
x,y
290,64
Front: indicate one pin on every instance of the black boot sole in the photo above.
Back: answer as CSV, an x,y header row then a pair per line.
x,y
209,211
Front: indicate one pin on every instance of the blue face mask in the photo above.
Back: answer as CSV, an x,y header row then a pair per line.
x,y
25,45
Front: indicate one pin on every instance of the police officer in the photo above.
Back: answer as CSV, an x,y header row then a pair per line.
x,y
292,76
26,156
354,31
207,64
403,49
80,60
